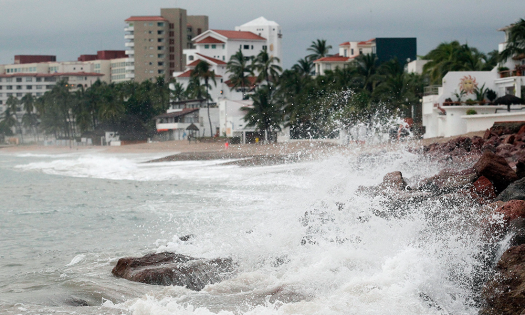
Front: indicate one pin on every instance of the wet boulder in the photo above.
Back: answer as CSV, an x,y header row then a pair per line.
x,y
484,188
448,181
520,167
174,269
515,191
394,181
496,169
505,293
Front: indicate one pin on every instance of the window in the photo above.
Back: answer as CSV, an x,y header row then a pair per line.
x,y
352,52
360,51
160,32
161,56
18,94
9,80
190,58
161,71
172,65
150,24
213,46
29,87
160,40
172,33
160,24
18,87
206,46
252,46
199,31
29,79
160,64
18,79
160,48
172,26
223,58
9,94
346,53
38,87
246,46
188,37
265,47
188,29
172,49
38,93
9,87
172,57
49,87
38,79
150,47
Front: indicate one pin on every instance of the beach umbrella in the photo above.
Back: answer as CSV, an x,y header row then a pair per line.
x,y
508,100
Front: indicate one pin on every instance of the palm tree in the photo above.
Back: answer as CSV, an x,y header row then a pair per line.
x,y
177,93
265,65
29,119
319,49
265,115
11,115
367,68
515,41
303,66
239,72
202,71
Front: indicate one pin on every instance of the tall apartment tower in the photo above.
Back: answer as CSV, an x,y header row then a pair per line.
x,y
155,43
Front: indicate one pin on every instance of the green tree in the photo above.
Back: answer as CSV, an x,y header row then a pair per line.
x,y
515,41
239,71
202,71
303,67
319,49
29,119
11,116
177,93
267,68
265,115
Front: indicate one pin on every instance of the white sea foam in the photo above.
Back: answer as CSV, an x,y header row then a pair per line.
x,y
344,260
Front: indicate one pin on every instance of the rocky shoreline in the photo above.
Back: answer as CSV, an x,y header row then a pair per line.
x,y
487,173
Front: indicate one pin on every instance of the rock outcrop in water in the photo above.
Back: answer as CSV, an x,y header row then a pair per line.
x,y
495,181
174,269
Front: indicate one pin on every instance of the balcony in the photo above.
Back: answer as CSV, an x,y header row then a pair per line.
x,y
129,36
130,75
129,29
130,44
129,68
130,59
130,52
431,90
172,126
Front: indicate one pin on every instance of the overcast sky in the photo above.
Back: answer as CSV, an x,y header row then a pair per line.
x,y
69,28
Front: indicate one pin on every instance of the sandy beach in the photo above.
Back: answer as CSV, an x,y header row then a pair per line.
x,y
248,154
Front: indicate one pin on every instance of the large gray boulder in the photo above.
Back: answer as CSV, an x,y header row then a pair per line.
x,y
174,269
515,191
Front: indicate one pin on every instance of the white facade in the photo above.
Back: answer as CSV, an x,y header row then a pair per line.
x,y
232,117
416,66
269,30
443,119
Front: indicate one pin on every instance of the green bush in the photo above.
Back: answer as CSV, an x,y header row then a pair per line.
x,y
471,112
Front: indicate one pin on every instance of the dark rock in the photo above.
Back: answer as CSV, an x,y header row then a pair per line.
x,y
515,191
174,269
509,139
484,188
448,180
496,169
520,168
394,180
186,238
505,294
512,210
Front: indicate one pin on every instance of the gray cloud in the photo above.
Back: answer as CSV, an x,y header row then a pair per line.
x,y
69,28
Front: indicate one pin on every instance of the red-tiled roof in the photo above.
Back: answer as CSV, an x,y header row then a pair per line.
x,y
252,81
61,74
194,63
145,18
366,42
332,59
210,40
239,35
345,44
217,61
187,74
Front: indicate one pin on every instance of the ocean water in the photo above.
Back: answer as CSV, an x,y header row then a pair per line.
x,y
303,240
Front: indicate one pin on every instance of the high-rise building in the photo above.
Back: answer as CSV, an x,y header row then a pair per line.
x,y
155,43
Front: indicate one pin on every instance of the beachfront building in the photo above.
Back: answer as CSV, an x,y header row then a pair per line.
x,y
404,49
452,109
174,124
155,44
